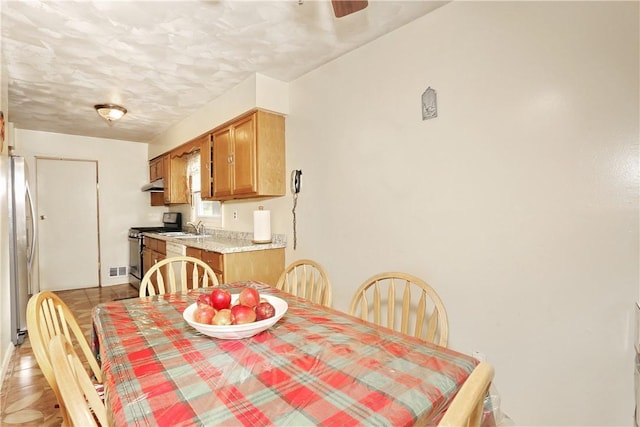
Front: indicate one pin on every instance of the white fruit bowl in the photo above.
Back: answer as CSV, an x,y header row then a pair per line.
x,y
235,332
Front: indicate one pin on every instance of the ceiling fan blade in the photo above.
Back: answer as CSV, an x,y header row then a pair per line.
x,y
346,7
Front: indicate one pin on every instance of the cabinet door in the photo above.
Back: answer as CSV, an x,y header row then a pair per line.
x,y
156,257
206,159
264,266
147,259
176,189
195,253
156,171
179,182
157,199
222,158
156,168
244,156
167,179
214,260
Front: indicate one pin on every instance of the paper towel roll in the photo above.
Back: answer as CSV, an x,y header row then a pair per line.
x,y
261,226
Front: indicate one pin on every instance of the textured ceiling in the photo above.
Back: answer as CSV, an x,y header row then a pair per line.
x,y
163,60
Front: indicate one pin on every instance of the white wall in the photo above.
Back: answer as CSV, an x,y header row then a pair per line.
x,y
256,91
519,203
122,170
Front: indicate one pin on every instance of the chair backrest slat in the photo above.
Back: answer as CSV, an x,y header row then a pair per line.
x,y
307,279
174,274
419,303
421,313
80,397
49,317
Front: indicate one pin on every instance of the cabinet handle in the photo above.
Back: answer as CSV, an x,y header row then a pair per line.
x,y
231,158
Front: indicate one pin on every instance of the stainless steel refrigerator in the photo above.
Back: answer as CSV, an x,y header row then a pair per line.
x,y
22,243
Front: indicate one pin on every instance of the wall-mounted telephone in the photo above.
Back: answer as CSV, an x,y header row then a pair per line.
x,y
295,180
295,189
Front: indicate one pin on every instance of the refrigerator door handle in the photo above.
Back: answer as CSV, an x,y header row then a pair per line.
x,y
35,233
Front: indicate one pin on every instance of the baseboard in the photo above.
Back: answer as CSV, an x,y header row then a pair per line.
x,y
5,363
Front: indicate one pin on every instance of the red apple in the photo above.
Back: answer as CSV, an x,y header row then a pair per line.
x,y
264,310
220,299
204,299
249,297
241,314
203,314
222,317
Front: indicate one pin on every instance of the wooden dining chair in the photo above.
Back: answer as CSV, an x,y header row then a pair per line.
x,y
177,274
83,404
307,279
417,303
467,406
47,317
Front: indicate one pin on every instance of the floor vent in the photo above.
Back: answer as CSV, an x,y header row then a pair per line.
x,y
117,271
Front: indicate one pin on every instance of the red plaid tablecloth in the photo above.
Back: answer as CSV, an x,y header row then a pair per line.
x,y
316,366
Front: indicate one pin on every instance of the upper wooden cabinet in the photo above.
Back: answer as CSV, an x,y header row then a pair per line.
x,y
156,171
249,157
241,159
176,185
156,168
206,166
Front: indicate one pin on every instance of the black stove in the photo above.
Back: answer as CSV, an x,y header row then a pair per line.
x,y
136,232
171,221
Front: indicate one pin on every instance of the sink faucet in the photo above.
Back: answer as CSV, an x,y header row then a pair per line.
x,y
199,226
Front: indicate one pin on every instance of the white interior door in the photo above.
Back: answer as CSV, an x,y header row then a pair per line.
x,y
67,195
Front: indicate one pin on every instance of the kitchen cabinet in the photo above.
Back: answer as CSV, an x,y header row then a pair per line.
x,y
175,180
249,157
156,168
156,245
206,167
214,260
172,167
155,250
176,185
263,265
156,171
196,253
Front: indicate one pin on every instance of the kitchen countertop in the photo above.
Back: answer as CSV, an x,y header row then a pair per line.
x,y
224,242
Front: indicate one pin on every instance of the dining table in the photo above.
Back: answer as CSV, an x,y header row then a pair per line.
x,y
315,366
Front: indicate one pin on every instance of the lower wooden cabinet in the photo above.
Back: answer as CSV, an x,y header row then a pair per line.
x,y
154,251
194,252
264,265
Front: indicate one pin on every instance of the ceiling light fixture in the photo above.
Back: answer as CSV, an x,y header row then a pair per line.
x,y
110,112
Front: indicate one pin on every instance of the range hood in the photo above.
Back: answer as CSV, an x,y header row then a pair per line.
x,y
154,186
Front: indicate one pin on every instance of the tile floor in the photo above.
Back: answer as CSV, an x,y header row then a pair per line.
x,y
26,398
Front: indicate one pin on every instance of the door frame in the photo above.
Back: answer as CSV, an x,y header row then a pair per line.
x,y
97,183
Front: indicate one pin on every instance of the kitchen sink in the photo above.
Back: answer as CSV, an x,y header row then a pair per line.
x,y
176,234
183,235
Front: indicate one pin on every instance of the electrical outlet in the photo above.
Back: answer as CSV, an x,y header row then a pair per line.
x,y
235,214
479,356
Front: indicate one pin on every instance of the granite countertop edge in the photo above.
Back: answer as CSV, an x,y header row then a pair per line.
x,y
225,242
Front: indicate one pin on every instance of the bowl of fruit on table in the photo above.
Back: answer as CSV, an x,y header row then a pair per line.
x,y
220,314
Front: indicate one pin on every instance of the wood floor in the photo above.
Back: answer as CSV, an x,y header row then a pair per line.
x,y
26,398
